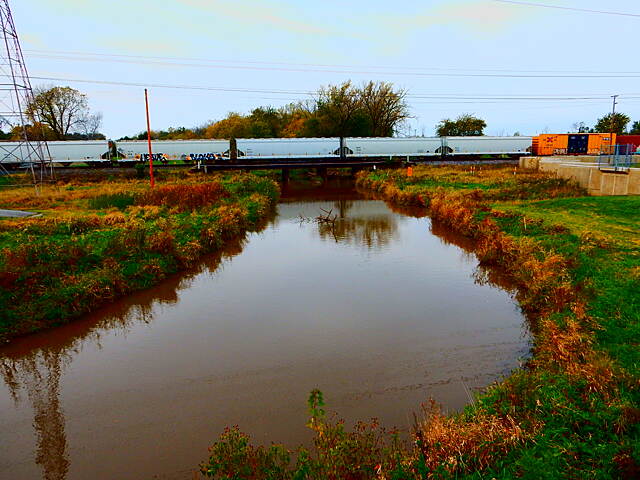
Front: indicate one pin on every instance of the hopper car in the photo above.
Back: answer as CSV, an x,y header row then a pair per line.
x,y
257,150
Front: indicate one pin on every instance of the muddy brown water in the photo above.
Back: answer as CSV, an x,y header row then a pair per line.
x,y
380,311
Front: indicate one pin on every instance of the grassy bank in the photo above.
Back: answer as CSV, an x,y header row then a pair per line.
x,y
572,411
100,239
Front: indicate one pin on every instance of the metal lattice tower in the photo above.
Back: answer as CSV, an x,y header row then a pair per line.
x,y
15,95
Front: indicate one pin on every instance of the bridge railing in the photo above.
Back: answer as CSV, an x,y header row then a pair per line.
x,y
616,158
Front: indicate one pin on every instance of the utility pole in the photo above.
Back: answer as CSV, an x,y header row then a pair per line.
x,y
613,117
15,97
146,102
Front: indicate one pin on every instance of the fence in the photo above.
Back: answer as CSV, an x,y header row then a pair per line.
x,y
616,158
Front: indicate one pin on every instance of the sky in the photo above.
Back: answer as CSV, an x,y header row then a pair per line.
x,y
521,67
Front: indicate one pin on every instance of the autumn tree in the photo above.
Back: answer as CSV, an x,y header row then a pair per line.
x,y
338,113
612,123
36,131
463,126
385,107
64,110
234,126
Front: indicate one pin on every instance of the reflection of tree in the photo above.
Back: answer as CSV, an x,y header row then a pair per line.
x,y
342,207
36,363
371,231
39,374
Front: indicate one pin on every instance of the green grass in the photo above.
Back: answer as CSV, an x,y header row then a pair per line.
x,y
617,217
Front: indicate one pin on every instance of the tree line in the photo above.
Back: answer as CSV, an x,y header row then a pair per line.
x,y
374,109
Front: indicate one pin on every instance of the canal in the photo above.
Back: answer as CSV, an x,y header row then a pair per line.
x,y
380,309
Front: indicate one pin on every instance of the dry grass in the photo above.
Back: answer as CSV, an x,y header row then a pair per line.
x,y
457,446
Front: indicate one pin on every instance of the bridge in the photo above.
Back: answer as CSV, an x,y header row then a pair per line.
x,y
355,163
320,164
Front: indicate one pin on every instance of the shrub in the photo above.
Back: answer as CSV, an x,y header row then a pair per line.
x,y
113,200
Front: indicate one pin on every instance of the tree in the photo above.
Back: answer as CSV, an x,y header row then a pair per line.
x,y
635,128
89,126
385,107
612,123
63,109
339,112
465,125
234,126
580,127
37,131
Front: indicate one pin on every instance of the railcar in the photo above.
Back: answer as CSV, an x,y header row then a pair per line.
x,y
61,152
294,148
172,150
486,145
573,143
413,147
632,140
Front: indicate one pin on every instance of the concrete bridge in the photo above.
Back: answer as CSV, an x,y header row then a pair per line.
x,y
321,165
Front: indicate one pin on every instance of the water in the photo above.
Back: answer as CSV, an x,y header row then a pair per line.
x,y
380,310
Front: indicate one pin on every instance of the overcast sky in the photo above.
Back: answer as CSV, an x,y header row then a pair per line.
x,y
250,52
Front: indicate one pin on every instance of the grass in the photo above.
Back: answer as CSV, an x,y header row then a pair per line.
x,y
573,410
99,239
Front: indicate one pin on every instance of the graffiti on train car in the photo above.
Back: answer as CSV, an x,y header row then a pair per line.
x,y
156,157
200,157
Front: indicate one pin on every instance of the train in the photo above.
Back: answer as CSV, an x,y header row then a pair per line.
x,y
584,144
256,150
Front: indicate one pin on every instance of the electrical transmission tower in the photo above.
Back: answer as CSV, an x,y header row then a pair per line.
x,y
15,97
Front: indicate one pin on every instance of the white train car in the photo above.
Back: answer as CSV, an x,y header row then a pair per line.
x,y
295,148
393,147
63,152
170,150
78,151
483,145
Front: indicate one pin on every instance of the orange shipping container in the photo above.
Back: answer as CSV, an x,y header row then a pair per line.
x,y
552,144
601,143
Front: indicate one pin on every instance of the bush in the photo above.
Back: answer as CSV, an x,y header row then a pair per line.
x,y
117,200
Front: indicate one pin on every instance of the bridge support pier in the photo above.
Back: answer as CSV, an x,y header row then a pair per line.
x,y
322,173
285,176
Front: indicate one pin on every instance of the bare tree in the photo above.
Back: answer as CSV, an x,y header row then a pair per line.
x,y
63,109
385,107
90,125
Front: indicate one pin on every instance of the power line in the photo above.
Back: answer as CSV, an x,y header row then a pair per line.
x,y
62,54
585,10
461,98
302,69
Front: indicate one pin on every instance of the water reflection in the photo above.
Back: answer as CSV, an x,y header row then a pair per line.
x,y
36,363
371,232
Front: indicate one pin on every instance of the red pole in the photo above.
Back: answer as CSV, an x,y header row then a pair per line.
x,y
146,101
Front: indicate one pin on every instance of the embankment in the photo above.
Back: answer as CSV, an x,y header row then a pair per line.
x,y
100,240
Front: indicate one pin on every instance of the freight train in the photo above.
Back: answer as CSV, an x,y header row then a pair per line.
x,y
102,152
